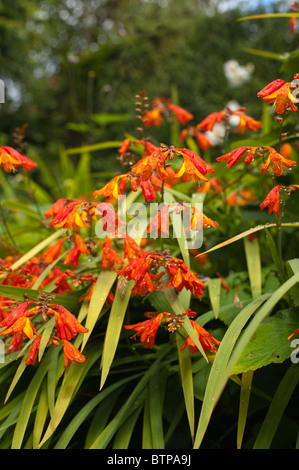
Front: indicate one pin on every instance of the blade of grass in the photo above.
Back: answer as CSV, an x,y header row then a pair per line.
x,y
115,323
278,405
100,293
244,403
156,409
39,247
253,259
74,376
27,405
185,364
214,287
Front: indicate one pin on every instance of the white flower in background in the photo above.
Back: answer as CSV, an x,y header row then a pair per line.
x,y
237,74
217,135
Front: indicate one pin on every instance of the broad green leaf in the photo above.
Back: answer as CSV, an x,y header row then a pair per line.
x,y
269,344
278,405
253,259
147,439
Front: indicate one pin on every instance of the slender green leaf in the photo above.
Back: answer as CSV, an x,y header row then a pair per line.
x,y
114,327
220,364
253,259
100,293
185,364
27,405
244,403
156,409
214,287
278,405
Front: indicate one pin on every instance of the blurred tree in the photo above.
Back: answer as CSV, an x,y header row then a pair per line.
x,y
64,60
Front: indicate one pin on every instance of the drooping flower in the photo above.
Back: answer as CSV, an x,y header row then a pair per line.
x,y
240,198
147,330
207,341
67,325
203,141
181,276
146,166
153,117
272,200
193,167
71,354
19,312
110,189
235,155
79,248
277,162
182,116
279,93
53,251
246,122
110,257
71,214
148,191
131,249
11,159
209,122
32,356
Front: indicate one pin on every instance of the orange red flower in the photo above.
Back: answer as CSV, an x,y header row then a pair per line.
x,y
272,200
277,161
147,330
205,338
11,159
71,354
279,93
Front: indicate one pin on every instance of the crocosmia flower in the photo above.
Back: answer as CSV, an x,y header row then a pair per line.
x,y
277,161
272,200
235,155
279,93
10,159
71,354
205,338
209,122
147,330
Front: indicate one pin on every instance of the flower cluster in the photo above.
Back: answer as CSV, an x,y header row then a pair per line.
x,y
17,324
147,330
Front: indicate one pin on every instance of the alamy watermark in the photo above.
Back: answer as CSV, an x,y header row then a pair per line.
x,y
2,352
295,353
183,221
2,91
